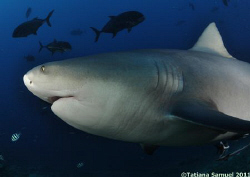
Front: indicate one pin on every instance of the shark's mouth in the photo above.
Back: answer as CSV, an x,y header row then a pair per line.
x,y
55,98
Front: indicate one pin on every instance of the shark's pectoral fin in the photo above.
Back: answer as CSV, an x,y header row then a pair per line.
x,y
211,41
207,115
148,148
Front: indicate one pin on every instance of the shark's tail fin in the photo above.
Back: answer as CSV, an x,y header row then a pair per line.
x,y
48,17
41,46
97,32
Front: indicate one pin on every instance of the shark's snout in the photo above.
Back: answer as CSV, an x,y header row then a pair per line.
x,y
27,81
49,96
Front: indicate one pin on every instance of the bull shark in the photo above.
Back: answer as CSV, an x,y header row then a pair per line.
x,y
155,97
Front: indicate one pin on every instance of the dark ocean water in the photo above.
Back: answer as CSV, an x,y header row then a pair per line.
x,y
48,146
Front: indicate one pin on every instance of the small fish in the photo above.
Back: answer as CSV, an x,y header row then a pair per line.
x,y
77,32
45,107
30,27
225,2
1,158
191,5
28,12
125,20
56,46
30,58
226,157
15,137
80,165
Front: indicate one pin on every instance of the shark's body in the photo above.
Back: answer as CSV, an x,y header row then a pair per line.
x,y
153,97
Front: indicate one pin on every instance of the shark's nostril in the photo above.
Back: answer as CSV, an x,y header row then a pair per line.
x,y
30,82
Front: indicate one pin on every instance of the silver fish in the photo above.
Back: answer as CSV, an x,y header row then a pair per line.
x,y
80,165
1,158
15,136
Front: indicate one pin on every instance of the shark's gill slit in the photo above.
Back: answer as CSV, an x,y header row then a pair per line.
x,y
158,75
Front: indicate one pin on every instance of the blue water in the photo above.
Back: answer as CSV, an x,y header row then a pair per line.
x,y
50,147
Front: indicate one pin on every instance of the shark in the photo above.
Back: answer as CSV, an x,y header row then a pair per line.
x,y
155,97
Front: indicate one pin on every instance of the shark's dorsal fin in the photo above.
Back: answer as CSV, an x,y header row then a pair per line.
x,y
210,41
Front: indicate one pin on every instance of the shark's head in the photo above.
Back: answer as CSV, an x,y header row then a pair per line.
x,y
68,78
46,82
98,93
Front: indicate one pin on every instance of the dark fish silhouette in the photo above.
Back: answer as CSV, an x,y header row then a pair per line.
x,y
226,157
125,20
191,5
30,58
56,46
225,2
28,12
31,27
77,32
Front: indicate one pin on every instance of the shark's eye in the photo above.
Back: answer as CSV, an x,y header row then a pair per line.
x,y
43,68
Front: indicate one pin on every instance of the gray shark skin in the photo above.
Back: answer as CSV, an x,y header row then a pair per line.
x,y
156,97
